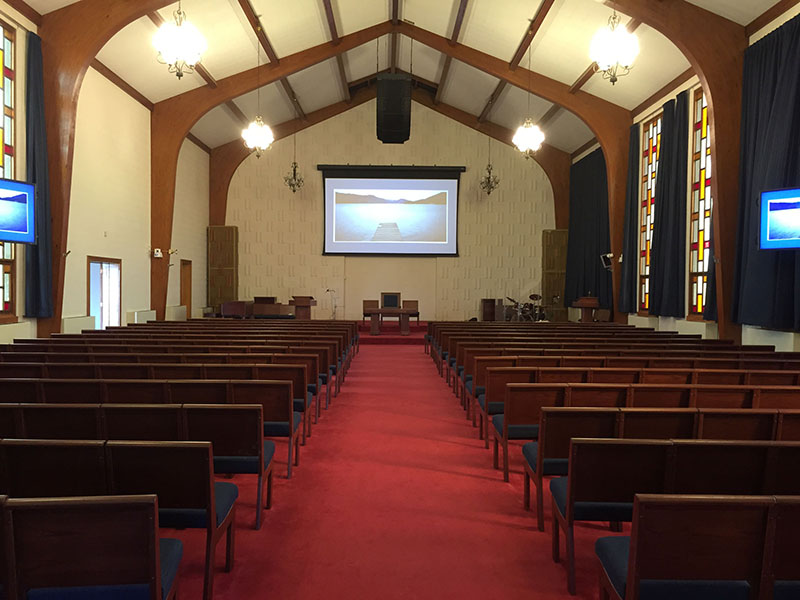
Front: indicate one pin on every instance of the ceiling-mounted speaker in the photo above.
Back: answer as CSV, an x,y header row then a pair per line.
x,y
394,108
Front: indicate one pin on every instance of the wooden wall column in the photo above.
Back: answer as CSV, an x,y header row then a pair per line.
x,y
715,48
71,38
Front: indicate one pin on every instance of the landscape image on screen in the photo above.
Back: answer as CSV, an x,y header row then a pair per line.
x,y
390,215
784,219
13,211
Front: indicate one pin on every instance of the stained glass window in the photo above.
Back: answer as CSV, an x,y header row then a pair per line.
x,y
651,150
6,278
7,255
700,218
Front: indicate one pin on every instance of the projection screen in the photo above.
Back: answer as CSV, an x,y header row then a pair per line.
x,y
385,210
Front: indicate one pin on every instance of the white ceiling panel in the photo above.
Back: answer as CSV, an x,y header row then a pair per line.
x,y
497,26
512,108
217,127
274,107
360,62
130,54
467,88
45,6
740,11
561,47
317,86
354,15
658,63
231,43
567,132
437,17
427,63
290,31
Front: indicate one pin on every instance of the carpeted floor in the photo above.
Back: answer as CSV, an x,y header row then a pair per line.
x,y
395,497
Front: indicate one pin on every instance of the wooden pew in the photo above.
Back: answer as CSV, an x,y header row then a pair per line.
x,y
82,544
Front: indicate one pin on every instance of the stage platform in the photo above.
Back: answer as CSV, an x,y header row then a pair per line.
x,y
390,334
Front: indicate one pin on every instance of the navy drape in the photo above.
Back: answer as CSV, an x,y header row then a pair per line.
x,y
38,257
629,278
767,283
668,254
588,232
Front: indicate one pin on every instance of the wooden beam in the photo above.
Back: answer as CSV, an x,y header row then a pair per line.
x,y
122,84
554,162
492,101
158,21
332,29
331,21
198,142
656,96
462,9
536,24
237,113
395,40
26,10
769,15
584,148
343,78
548,116
226,159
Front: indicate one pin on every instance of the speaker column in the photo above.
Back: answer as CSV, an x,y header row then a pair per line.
x,y
393,122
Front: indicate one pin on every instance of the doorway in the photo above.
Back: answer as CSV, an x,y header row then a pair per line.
x,y
186,286
104,291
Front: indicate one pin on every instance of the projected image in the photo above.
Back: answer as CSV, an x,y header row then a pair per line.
x,y
375,215
784,220
13,211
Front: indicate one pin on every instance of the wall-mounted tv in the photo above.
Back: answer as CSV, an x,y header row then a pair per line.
x,y
391,210
17,212
780,219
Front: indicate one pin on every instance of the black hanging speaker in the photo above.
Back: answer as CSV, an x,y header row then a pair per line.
x,y
394,108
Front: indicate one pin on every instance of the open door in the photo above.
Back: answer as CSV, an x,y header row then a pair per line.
x,y
186,286
104,291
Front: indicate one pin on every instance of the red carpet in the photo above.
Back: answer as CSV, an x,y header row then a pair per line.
x,y
395,497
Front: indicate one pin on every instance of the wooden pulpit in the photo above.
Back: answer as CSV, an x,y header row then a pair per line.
x,y
587,304
302,307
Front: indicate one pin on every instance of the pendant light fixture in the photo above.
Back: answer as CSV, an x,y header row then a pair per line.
x,y
614,49
258,136
180,44
489,182
528,137
293,179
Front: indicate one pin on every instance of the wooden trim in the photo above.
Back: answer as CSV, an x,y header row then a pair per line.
x,y
492,101
331,21
13,263
343,78
549,115
8,319
697,318
462,9
442,79
293,97
584,148
671,86
237,112
765,18
122,84
100,259
584,78
198,142
258,29
536,24
26,10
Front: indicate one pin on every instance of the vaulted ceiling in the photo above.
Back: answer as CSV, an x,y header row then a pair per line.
x,y
562,31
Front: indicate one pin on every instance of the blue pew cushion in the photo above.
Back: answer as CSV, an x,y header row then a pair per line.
x,y
298,404
136,591
786,590
312,387
550,466
495,408
170,553
451,362
516,432
244,464
478,390
589,511
460,371
613,555
281,428
225,495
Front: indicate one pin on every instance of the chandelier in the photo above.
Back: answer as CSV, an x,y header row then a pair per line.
x,y
489,182
613,50
293,179
258,136
528,137
180,44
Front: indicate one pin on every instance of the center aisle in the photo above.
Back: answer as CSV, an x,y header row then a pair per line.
x,y
395,497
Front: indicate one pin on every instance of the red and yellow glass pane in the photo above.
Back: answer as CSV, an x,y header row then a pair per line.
x,y
701,204
651,151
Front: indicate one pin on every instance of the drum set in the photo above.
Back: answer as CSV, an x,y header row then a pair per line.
x,y
527,311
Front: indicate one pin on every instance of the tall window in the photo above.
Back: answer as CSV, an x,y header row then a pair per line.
x,y
700,218
651,150
7,253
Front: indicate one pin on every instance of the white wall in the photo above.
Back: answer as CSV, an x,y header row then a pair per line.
x,y
189,226
110,205
280,233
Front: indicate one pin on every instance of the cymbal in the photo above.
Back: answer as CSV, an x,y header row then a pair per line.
x,y
511,300
535,297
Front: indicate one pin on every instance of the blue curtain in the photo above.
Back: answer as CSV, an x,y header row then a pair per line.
x,y
767,283
668,254
38,258
629,279
588,232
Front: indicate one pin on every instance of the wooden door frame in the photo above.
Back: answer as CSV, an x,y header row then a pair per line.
x,y
101,259
184,262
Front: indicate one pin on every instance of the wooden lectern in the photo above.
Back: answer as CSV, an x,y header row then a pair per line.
x,y
302,307
587,304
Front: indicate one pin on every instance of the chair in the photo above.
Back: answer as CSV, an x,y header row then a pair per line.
x,y
412,305
181,475
73,548
366,306
390,300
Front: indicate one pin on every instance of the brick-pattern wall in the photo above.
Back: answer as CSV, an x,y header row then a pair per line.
x,y
499,236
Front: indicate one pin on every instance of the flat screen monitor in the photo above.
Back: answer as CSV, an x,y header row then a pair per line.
x,y
391,210
17,212
780,219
